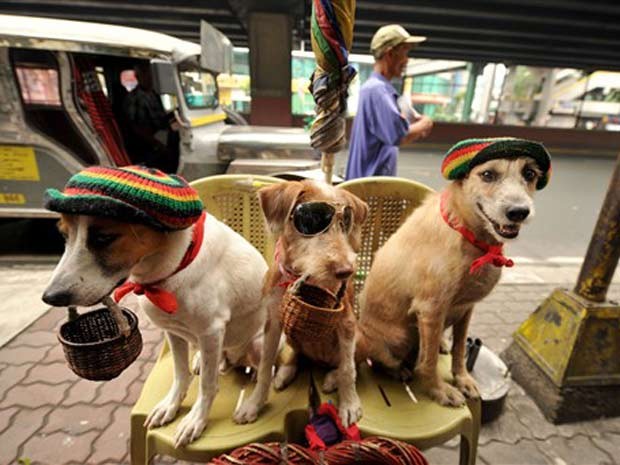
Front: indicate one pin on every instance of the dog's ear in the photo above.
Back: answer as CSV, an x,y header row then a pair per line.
x,y
360,212
276,202
360,208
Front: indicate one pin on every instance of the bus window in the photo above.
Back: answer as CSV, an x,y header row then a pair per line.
x,y
39,86
199,88
38,77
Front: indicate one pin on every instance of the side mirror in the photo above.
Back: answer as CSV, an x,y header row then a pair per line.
x,y
163,77
216,49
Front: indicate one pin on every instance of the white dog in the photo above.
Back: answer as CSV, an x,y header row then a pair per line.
x,y
217,293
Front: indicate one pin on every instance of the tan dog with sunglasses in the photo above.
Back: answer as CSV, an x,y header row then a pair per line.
x,y
317,228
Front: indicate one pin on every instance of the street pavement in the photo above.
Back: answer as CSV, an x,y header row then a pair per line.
x,y
50,416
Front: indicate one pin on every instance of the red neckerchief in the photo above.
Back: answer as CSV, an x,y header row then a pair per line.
x,y
288,275
492,253
162,298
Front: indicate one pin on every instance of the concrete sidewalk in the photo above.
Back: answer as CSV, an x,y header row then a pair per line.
x,y
51,416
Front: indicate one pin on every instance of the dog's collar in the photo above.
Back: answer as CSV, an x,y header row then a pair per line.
x,y
492,253
162,298
288,275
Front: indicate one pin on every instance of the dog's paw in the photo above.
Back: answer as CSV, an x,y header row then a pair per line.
x,y
163,413
247,412
191,427
284,376
350,411
196,362
447,395
330,383
467,385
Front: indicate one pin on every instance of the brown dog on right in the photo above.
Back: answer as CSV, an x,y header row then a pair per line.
x,y
420,281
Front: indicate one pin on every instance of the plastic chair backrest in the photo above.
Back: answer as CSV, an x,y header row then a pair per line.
x,y
390,201
232,199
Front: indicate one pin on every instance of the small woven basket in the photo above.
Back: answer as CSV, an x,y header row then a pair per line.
x,y
310,313
94,347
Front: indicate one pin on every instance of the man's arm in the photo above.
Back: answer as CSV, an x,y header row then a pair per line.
x,y
419,129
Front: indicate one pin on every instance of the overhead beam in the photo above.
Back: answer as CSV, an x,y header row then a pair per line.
x,y
466,11
111,16
570,5
141,22
138,6
491,30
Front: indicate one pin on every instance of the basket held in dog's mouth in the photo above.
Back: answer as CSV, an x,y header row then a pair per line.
x,y
94,347
309,311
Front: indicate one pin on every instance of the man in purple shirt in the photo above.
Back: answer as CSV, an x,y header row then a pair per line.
x,y
380,126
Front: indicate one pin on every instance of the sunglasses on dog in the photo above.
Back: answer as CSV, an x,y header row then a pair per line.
x,y
313,218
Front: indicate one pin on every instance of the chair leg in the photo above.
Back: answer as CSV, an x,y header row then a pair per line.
x,y
467,454
469,437
137,441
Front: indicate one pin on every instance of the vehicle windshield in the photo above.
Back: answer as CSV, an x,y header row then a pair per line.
x,y
199,87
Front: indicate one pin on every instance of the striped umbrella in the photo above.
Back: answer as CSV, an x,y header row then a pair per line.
x,y
332,36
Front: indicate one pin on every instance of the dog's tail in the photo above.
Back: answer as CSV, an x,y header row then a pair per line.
x,y
362,345
373,343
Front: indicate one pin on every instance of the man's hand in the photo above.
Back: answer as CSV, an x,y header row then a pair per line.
x,y
426,126
418,130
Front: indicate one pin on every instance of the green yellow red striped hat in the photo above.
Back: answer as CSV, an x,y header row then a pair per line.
x,y
464,155
135,194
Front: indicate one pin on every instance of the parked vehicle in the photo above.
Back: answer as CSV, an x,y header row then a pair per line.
x,y
63,85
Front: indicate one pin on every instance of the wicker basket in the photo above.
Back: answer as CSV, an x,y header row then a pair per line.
x,y
310,313
94,347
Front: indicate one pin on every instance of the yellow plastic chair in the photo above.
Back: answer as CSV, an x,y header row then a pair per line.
x,y
388,406
232,199
390,201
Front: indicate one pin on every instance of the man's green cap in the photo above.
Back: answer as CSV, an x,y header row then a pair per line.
x,y
390,36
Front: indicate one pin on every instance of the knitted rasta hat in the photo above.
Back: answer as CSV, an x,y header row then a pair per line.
x,y
464,155
135,194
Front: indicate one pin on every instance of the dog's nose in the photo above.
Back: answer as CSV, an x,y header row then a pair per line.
x,y
517,213
343,272
57,299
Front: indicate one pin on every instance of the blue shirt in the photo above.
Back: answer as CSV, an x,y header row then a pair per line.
x,y
377,130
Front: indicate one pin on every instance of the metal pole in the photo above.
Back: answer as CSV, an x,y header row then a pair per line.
x,y
545,102
585,90
501,95
474,70
327,165
604,249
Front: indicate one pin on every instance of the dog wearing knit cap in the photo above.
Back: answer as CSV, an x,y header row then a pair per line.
x,y
445,258
195,277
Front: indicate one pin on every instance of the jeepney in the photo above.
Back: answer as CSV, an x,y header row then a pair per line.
x,y
62,86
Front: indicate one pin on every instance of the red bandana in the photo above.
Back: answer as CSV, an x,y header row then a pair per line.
x,y
162,298
492,253
327,412
288,275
